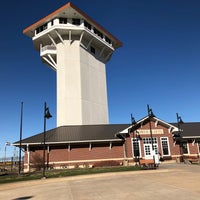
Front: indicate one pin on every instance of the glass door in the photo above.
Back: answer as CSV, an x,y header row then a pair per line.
x,y
149,152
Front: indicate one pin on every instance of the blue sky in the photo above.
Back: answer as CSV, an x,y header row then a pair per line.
x,y
159,63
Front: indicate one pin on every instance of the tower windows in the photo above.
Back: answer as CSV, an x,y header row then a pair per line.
x,y
92,49
41,28
76,21
97,32
87,25
108,40
62,20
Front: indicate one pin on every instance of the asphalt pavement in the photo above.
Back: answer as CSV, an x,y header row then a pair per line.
x,y
169,181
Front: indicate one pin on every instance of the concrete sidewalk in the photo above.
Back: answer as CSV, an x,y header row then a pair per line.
x,y
169,181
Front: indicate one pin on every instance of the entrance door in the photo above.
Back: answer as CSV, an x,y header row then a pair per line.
x,y
150,153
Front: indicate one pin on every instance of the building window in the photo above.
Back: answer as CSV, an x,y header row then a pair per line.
x,y
136,147
147,150
108,40
185,147
41,28
92,49
87,25
148,145
97,32
76,21
62,20
199,146
148,140
165,146
51,22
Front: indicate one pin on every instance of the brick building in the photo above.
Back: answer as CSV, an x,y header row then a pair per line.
x,y
88,145
78,48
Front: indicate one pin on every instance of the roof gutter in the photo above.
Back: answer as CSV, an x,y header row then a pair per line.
x,y
190,137
69,142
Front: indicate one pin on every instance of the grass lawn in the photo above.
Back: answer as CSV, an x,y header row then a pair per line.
x,y
8,178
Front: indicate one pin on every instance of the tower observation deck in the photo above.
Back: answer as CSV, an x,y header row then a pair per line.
x,y
77,48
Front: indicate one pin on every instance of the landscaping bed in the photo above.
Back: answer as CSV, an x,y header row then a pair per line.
x,y
8,177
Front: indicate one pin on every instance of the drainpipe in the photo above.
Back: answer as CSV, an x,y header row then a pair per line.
x,y
28,158
124,148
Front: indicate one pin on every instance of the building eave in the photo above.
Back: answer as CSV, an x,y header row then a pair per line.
x,y
85,16
69,142
190,137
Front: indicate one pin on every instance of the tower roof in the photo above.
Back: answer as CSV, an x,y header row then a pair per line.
x,y
69,10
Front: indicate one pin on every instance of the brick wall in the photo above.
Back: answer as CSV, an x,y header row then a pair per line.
x,y
174,148
76,154
96,152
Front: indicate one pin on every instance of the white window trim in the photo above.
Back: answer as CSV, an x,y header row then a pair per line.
x,y
167,144
110,146
139,147
68,148
90,146
198,147
188,150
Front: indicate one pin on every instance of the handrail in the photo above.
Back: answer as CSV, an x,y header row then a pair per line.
x,y
48,47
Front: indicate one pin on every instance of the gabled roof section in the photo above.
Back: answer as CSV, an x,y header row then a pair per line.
x,y
144,121
71,10
77,134
159,121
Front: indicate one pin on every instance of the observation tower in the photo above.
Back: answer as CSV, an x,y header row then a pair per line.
x,y
77,48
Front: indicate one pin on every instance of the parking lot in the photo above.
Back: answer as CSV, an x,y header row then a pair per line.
x,y
169,181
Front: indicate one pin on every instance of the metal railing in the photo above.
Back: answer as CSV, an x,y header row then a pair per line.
x,y
48,47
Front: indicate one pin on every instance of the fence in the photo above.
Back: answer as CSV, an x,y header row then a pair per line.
x,y
10,164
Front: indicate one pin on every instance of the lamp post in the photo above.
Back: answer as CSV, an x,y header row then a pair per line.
x,y
179,122
5,158
6,144
20,140
136,137
151,115
133,122
47,115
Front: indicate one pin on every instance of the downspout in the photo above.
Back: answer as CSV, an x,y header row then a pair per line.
x,y
124,148
28,158
125,162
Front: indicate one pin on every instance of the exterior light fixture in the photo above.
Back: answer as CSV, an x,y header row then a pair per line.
x,y
47,115
151,115
135,140
6,144
179,136
20,140
133,122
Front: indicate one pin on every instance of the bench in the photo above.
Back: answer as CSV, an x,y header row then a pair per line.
x,y
147,164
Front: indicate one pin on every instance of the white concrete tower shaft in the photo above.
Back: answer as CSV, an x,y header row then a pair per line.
x,y
77,48
81,86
